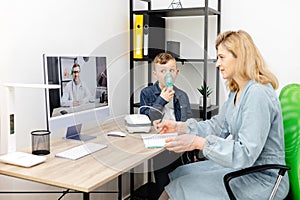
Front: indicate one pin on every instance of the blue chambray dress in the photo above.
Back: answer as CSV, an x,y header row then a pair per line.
x,y
256,126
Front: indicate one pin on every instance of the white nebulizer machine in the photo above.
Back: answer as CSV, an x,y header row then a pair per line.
x,y
137,123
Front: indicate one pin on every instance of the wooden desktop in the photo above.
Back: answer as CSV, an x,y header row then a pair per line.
x,y
88,173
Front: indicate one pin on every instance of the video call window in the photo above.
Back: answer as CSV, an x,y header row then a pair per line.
x,y
83,82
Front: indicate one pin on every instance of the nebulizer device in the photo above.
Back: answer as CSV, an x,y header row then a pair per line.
x,y
169,81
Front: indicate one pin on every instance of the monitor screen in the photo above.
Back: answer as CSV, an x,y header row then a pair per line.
x,y
83,93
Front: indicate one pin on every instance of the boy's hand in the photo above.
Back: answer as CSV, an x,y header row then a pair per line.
x,y
167,94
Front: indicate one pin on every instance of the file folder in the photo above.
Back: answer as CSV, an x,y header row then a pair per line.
x,y
154,35
146,29
149,36
138,37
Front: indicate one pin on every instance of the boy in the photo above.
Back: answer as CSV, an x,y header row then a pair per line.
x,y
171,101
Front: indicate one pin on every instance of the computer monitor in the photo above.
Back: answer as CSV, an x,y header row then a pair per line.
x,y
83,95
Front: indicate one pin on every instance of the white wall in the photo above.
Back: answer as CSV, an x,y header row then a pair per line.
x,y
32,28
275,30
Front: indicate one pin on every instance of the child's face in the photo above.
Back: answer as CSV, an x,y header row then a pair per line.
x,y
160,70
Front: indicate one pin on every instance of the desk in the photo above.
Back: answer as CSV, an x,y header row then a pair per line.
x,y
92,171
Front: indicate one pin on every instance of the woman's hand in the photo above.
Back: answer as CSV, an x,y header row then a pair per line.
x,y
185,142
170,126
165,126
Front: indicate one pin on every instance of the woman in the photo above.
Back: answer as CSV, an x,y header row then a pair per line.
x,y
248,131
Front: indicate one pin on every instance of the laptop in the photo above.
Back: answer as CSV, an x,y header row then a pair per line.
x,y
73,133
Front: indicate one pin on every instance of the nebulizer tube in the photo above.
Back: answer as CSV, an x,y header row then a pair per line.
x,y
145,106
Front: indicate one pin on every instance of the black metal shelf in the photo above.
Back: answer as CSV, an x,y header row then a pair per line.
x,y
181,12
198,112
178,60
205,12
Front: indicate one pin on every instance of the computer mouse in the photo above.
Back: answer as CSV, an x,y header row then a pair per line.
x,y
116,134
63,112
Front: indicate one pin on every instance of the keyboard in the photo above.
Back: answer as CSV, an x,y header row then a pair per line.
x,y
80,151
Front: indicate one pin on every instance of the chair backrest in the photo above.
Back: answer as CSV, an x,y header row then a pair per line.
x,y
290,104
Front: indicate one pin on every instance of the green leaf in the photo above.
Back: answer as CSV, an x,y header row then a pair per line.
x,y
208,90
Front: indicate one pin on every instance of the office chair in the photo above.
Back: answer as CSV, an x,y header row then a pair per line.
x,y
290,104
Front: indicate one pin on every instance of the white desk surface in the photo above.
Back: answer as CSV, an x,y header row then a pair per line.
x,y
92,171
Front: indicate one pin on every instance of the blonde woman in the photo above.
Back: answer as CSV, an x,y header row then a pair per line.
x,y
248,131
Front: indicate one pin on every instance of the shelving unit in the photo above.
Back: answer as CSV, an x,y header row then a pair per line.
x,y
205,12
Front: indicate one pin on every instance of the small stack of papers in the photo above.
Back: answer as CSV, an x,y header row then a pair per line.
x,y
156,140
22,159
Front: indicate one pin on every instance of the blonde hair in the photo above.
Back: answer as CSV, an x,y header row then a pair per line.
x,y
250,63
163,58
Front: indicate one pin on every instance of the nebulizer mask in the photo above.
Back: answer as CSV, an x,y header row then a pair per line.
x,y
169,81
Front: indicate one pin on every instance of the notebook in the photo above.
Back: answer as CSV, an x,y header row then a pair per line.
x,y
156,140
22,159
73,133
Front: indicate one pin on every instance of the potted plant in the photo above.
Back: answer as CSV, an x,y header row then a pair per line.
x,y
208,93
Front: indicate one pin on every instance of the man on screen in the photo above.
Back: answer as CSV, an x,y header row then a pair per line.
x,y
75,92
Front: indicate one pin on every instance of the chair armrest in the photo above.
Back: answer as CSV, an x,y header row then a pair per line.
x,y
231,175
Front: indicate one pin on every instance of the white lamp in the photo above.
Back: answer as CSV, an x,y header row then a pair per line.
x,y
7,99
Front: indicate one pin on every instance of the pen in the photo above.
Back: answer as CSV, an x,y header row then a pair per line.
x,y
162,117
